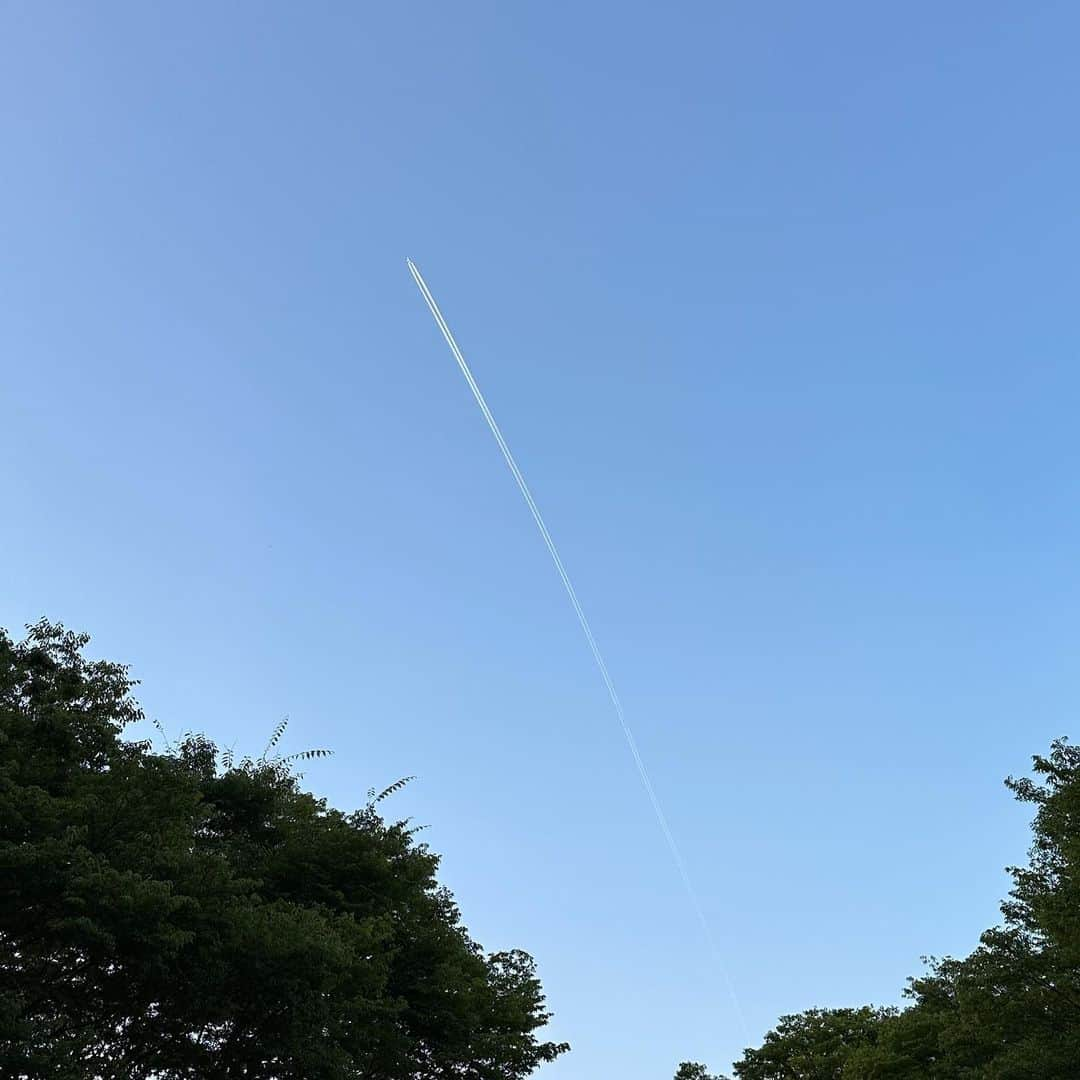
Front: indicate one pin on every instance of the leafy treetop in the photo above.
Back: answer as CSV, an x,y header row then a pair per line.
x,y
178,915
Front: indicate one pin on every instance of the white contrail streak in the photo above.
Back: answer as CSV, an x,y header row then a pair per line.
x,y
553,551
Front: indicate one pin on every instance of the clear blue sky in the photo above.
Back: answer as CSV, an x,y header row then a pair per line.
x,y
776,304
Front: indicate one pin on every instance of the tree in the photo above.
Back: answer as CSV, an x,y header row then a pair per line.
x,y
813,1045
691,1070
176,915
1009,1011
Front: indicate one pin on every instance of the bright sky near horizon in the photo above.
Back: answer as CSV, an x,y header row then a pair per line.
x,y
775,306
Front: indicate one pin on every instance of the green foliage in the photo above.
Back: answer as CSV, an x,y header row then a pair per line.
x,y
1009,1011
691,1070
813,1045
180,915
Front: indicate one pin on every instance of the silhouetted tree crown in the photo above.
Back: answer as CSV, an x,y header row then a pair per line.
x,y
1009,1011
178,915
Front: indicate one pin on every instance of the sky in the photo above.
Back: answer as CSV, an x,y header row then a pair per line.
x,y
775,304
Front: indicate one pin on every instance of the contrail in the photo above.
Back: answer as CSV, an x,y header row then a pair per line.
x,y
553,551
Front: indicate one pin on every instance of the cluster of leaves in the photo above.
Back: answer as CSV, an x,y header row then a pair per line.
x,y
691,1070
180,915
1009,1011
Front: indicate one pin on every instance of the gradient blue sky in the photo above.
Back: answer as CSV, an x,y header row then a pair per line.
x,y
776,305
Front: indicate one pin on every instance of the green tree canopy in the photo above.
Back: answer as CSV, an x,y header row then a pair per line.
x,y
691,1070
813,1045
1009,1011
176,915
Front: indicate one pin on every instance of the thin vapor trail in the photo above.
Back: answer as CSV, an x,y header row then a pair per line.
x,y
553,551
